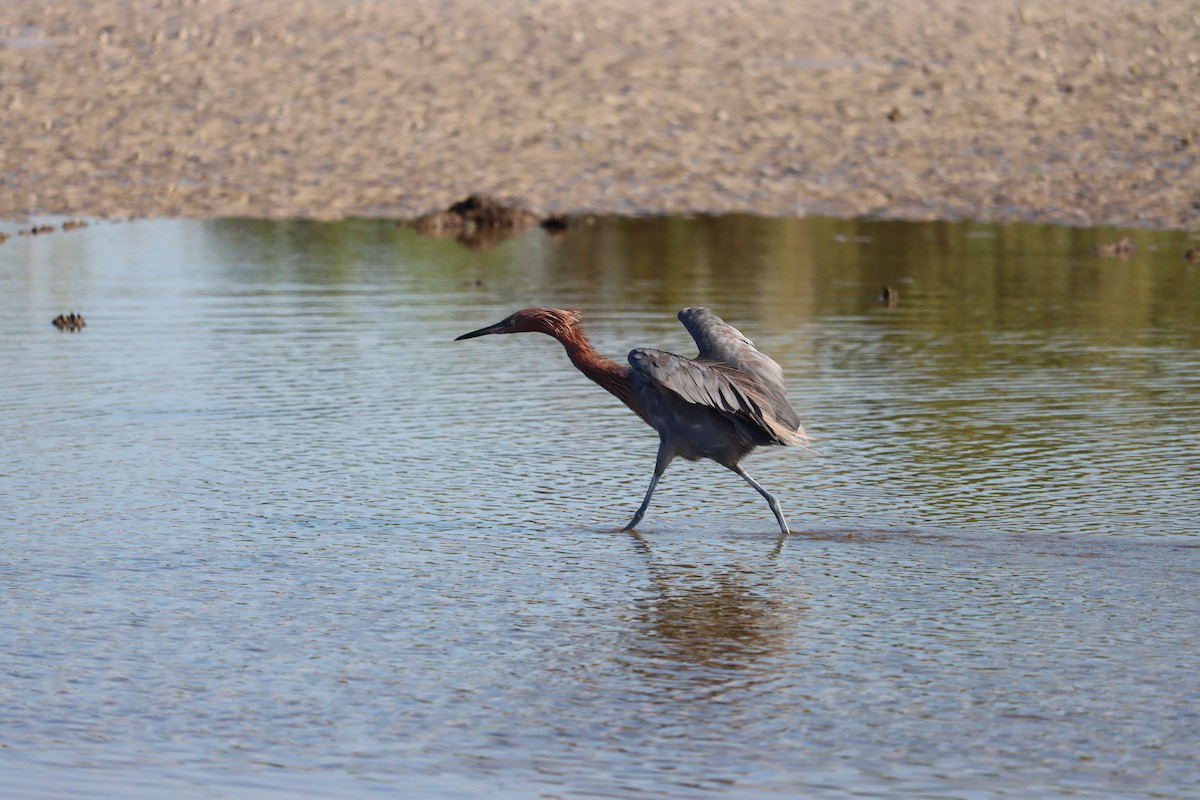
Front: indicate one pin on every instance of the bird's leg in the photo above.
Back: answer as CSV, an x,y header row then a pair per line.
x,y
770,497
665,456
641,512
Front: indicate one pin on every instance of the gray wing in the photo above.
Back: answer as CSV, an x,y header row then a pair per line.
x,y
694,381
718,386
720,341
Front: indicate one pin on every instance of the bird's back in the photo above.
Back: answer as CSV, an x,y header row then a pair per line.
x,y
721,404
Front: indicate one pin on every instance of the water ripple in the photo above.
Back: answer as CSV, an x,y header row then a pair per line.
x,y
271,532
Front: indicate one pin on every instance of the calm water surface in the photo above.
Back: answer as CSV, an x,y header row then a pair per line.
x,y
269,532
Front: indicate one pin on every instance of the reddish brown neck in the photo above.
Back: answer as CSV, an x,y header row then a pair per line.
x,y
601,369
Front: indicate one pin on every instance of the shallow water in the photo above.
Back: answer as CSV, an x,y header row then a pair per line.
x,y
270,532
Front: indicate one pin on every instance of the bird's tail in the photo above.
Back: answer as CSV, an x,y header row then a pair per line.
x,y
784,434
787,432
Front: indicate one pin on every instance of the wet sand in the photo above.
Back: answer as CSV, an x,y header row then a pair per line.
x,y
1074,111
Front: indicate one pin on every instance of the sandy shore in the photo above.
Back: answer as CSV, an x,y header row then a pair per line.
x,y
1078,111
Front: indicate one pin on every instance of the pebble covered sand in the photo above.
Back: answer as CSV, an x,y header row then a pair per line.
x,y
1078,111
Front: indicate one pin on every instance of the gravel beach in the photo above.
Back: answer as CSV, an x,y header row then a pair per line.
x,y
1081,112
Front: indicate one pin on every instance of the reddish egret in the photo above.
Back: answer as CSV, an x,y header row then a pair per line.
x,y
720,405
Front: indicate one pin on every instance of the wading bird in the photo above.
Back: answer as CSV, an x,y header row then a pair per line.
x,y
720,405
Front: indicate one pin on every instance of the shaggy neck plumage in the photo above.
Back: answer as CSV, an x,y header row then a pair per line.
x,y
602,370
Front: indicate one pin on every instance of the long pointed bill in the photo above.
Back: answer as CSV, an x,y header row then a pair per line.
x,y
497,328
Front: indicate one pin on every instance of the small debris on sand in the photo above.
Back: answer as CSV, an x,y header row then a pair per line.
x,y
555,223
478,221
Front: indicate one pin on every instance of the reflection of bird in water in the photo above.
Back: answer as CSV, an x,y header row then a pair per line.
x,y
731,618
720,405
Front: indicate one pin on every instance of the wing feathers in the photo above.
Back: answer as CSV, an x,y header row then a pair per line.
x,y
722,387
719,341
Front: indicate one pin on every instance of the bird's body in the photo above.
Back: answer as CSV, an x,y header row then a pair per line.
x,y
720,405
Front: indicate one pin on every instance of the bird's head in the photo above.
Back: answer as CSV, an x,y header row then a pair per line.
x,y
552,321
